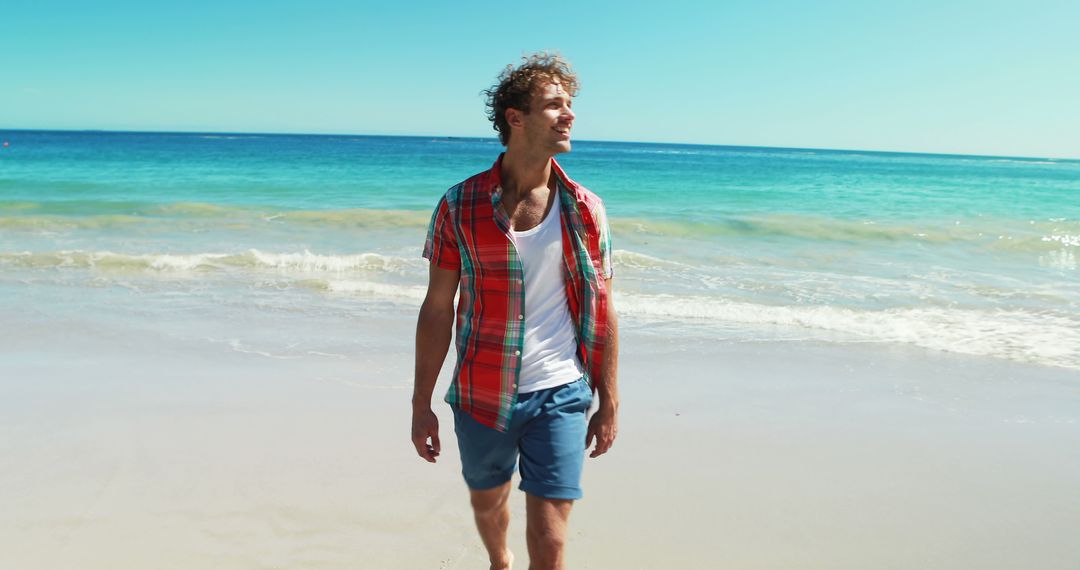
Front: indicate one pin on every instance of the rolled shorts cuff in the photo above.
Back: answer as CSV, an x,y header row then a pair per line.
x,y
549,491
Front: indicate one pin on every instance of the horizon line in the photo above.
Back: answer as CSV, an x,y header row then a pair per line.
x,y
495,139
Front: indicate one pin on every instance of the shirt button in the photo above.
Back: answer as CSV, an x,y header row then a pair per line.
x,y
521,281
517,353
521,317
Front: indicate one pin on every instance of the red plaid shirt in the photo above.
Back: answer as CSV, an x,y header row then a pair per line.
x,y
468,232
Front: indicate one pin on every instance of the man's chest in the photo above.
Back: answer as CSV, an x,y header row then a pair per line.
x,y
527,214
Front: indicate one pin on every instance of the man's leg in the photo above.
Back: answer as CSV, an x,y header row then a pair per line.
x,y
552,454
546,533
492,512
487,463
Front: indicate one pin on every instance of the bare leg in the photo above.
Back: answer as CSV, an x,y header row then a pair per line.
x,y
492,512
546,531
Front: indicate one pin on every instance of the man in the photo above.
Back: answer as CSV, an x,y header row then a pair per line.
x,y
530,250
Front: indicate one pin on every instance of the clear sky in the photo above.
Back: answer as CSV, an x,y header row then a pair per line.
x,y
926,76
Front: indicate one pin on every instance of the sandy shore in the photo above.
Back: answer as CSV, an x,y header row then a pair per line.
x,y
131,451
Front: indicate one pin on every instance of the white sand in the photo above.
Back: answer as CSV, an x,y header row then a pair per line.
x,y
143,453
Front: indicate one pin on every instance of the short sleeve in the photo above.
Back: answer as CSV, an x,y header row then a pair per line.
x,y
441,245
606,267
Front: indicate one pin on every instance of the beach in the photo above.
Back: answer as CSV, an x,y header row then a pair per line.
x,y
730,454
835,360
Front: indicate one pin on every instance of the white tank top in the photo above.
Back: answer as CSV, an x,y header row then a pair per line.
x,y
549,356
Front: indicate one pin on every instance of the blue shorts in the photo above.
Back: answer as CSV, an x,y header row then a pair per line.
x,y
547,429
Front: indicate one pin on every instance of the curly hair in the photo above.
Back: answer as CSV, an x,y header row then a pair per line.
x,y
516,86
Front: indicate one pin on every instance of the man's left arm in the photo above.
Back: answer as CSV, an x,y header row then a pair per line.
x,y
604,423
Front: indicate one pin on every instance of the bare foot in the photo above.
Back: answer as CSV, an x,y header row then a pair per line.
x,y
506,564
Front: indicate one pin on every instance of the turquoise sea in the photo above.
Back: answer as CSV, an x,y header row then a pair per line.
x,y
117,235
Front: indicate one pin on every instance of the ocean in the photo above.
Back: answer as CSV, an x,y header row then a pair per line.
x,y
283,245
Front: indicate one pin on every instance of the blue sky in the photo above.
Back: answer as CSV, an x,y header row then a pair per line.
x,y
965,77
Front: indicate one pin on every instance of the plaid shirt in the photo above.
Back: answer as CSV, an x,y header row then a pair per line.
x,y
470,233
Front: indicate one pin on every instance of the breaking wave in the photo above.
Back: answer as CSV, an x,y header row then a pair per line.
x,y
1028,336
300,263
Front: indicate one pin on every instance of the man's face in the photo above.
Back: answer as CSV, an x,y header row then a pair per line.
x,y
549,120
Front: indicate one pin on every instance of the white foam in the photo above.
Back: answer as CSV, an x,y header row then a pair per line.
x,y
163,262
307,262
1062,259
301,262
384,290
627,258
1071,240
1015,334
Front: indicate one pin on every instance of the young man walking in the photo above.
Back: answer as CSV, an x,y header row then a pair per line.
x,y
529,252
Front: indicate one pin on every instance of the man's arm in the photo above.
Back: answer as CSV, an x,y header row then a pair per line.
x,y
604,423
433,332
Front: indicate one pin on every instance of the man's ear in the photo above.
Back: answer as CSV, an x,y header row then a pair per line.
x,y
514,117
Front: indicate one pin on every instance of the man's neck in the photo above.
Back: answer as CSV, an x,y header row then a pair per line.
x,y
522,172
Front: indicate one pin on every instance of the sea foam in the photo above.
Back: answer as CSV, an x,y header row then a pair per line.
x,y
1030,336
299,262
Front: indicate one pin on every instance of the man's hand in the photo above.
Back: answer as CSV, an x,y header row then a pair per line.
x,y
602,426
424,425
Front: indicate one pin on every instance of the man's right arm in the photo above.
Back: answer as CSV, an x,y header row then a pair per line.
x,y
434,328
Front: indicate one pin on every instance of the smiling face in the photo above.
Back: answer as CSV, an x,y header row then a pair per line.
x,y
546,127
